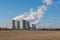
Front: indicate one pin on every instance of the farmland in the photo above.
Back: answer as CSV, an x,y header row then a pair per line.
x,y
29,35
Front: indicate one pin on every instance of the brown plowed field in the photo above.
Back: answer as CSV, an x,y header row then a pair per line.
x,y
29,35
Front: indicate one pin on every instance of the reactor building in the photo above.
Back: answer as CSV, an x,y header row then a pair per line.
x,y
22,25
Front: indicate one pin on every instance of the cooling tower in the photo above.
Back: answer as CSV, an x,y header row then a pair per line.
x,y
13,24
18,25
24,24
33,26
27,25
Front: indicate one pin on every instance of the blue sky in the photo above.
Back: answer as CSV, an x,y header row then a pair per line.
x,y
12,8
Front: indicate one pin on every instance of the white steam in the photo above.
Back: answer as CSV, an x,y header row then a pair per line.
x,y
47,2
35,16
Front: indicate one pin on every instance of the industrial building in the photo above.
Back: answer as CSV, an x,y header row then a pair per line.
x,y
22,24
33,26
18,25
27,25
13,24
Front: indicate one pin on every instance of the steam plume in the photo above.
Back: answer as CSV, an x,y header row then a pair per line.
x,y
47,2
35,16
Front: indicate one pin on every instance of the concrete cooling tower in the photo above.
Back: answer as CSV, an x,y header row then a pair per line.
x,y
18,25
13,24
22,24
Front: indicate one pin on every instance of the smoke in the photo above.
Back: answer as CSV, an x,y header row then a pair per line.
x,y
35,17
47,2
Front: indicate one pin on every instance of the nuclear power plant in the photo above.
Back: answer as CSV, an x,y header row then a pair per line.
x,y
23,25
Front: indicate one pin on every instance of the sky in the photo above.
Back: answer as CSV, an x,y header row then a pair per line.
x,y
12,8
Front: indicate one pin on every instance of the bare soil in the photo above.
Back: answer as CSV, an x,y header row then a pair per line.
x,y
29,35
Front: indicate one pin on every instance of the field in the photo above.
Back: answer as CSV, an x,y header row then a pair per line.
x,y
29,35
